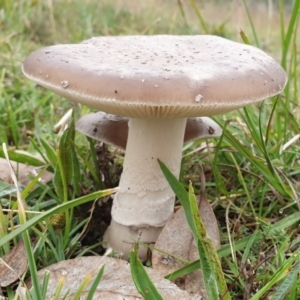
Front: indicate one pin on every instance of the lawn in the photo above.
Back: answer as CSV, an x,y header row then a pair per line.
x,y
252,171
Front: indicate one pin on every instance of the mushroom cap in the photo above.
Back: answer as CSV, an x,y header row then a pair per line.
x,y
157,76
112,129
107,128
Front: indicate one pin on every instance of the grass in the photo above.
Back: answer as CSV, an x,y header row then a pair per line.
x,y
253,179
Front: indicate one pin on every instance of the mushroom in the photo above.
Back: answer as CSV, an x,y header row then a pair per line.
x,y
158,82
112,129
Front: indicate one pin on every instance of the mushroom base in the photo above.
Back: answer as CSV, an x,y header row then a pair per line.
x,y
128,235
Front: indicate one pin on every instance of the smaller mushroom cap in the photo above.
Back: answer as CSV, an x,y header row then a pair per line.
x,y
113,130
107,128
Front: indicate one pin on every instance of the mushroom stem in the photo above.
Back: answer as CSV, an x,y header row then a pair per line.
x,y
145,200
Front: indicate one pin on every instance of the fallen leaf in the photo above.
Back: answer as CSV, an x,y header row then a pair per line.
x,y
194,282
13,265
116,282
175,240
22,171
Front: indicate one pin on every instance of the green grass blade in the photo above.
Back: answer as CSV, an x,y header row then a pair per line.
x,y
58,209
31,264
30,186
251,121
223,252
288,37
182,194
184,270
59,287
217,174
141,279
199,16
51,154
244,37
213,275
59,179
95,284
67,172
263,146
209,276
251,23
284,288
279,275
14,128
25,234
82,286
95,172
271,118
295,68
259,164
45,284
282,22
252,240
22,158
3,231
286,222
182,12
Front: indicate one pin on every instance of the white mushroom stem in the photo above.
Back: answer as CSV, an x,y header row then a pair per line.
x,y
145,200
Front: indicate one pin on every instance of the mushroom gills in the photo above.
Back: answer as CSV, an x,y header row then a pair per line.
x,y
113,130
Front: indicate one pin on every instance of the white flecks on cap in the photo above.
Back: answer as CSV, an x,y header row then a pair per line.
x,y
125,75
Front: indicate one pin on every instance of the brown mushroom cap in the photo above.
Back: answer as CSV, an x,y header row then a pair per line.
x,y
112,129
157,76
107,128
